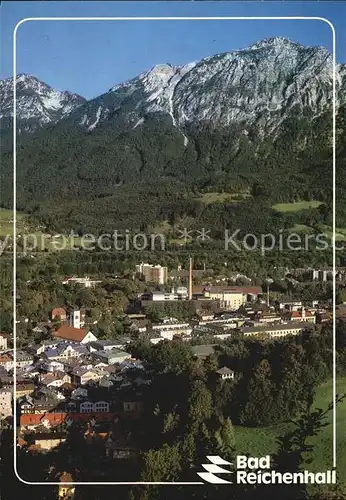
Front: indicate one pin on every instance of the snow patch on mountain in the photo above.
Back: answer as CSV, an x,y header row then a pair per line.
x,y
36,102
140,122
258,85
98,115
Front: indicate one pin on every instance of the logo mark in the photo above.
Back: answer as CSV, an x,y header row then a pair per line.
x,y
214,468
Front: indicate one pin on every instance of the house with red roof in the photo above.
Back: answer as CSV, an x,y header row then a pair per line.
x,y
31,421
82,335
301,315
59,312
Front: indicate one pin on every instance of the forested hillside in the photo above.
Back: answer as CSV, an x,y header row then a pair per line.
x,y
147,152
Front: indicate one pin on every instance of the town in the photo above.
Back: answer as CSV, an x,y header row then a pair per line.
x,y
71,375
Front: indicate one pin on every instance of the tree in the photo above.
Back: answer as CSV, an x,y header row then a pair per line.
x,y
200,404
211,363
260,407
225,439
162,464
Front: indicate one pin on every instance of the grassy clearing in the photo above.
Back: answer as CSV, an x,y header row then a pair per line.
x,y
301,228
6,222
215,197
30,237
340,233
162,228
296,206
45,242
262,441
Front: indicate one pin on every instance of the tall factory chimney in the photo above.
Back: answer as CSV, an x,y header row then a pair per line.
x,y
190,279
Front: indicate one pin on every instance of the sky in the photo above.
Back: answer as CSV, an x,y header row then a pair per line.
x,y
89,57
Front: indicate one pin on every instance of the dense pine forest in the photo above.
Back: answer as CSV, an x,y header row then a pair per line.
x,y
110,179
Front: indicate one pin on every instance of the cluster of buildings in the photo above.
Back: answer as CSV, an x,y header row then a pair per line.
x,y
73,379
322,275
250,318
229,298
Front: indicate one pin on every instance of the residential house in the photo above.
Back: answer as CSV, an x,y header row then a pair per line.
x,y
49,393
41,329
29,372
53,366
101,365
93,407
38,349
81,335
225,373
23,359
49,420
140,325
6,361
111,356
79,392
108,344
66,390
5,403
82,376
65,350
24,389
59,313
5,378
291,305
106,382
41,405
52,353
46,441
120,448
301,315
72,350
3,341
55,379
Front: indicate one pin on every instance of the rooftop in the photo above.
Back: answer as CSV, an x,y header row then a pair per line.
x,y
225,371
69,333
203,350
292,325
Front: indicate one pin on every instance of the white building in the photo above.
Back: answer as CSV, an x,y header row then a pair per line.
x,y
3,342
98,406
86,282
275,331
74,319
225,373
156,274
5,403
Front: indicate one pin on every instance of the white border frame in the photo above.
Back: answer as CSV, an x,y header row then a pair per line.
x,y
218,18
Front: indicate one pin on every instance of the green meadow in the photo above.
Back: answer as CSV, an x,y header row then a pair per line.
x,y
262,441
297,206
30,237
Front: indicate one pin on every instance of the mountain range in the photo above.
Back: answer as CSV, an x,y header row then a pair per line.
x,y
240,122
